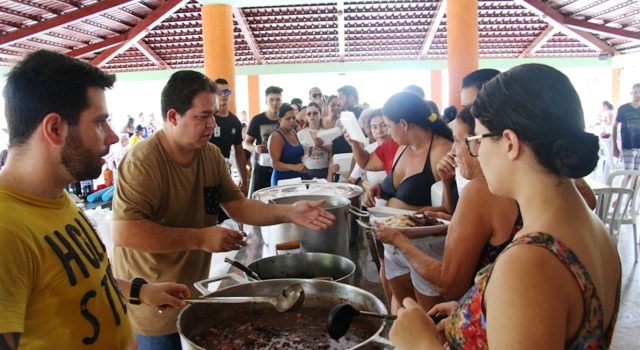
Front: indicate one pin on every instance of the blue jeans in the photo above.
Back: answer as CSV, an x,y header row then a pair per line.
x,y
163,342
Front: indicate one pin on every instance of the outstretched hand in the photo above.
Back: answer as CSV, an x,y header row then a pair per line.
x,y
311,215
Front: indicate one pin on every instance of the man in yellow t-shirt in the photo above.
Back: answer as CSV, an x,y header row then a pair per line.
x,y
56,285
170,190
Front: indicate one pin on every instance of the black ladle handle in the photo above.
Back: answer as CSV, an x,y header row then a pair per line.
x,y
245,269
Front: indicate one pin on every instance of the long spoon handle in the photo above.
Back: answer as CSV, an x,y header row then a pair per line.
x,y
374,314
230,300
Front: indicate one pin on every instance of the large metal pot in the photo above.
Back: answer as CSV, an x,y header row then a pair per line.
x,y
196,318
334,240
311,187
305,265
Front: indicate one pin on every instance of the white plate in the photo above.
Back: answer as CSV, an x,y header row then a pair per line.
x,y
378,213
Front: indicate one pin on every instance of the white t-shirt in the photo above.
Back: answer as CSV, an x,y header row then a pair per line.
x,y
374,177
314,157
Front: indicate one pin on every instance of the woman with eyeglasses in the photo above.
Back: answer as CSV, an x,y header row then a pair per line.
x,y
316,157
557,285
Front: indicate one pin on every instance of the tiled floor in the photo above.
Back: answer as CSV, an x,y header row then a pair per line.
x,y
626,333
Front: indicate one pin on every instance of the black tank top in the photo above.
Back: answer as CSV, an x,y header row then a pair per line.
x,y
414,190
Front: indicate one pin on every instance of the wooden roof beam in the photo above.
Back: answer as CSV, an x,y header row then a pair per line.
x,y
61,21
248,35
601,29
139,31
441,8
557,20
151,55
100,45
539,41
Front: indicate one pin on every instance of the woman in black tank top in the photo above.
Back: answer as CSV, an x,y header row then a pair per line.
x,y
424,138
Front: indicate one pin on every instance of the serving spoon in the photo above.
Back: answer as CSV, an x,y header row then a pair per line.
x,y
340,318
290,298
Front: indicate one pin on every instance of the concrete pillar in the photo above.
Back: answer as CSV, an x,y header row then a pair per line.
x,y
217,37
436,88
462,44
615,86
254,95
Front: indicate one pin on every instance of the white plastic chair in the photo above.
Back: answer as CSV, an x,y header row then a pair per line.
x,y
613,207
629,179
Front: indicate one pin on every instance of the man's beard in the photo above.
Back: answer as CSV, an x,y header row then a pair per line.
x,y
78,160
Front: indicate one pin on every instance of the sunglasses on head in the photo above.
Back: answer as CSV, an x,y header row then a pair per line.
x,y
318,95
226,92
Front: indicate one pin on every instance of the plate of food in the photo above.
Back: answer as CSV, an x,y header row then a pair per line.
x,y
408,222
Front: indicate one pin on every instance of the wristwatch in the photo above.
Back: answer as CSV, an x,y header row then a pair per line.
x,y
134,295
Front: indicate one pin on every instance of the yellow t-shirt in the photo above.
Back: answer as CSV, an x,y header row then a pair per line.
x,y
56,286
152,186
135,139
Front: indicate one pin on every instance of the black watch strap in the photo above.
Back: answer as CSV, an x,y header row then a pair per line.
x,y
136,285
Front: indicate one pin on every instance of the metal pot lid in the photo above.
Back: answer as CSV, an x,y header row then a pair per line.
x,y
312,188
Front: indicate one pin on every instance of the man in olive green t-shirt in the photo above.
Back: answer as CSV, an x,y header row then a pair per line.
x,y
170,190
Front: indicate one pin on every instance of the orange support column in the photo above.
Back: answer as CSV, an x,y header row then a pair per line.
x,y
462,44
254,95
615,86
436,88
217,38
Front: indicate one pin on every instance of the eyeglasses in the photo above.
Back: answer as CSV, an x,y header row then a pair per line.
x,y
226,92
318,95
473,142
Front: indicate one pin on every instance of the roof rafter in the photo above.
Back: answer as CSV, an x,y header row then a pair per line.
x,y
539,41
556,19
101,45
151,55
441,8
248,35
139,31
601,29
60,21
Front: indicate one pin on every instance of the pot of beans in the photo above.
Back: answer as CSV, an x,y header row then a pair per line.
x,y
260,326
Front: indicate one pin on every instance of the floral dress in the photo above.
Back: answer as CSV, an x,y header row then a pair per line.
x,y
466,328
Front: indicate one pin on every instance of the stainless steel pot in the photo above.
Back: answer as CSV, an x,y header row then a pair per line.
x,y
312,187
195,318
305,265
334,240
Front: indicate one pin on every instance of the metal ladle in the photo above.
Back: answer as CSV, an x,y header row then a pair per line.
x,y
340,318
290,298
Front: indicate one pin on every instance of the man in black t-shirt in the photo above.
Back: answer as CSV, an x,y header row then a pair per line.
x,y
629,116
258,133
228,132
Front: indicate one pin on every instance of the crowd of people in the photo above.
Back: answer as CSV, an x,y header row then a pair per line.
x,y
524,261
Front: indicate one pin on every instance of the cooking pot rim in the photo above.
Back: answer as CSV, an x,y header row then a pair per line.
x,y
375,337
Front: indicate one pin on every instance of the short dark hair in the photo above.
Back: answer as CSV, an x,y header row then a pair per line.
x,y
284,108
449,114
180,90
296,101
539,104
349,90
273,90
466,117
221,81
416,90
408,106
48,82
479,77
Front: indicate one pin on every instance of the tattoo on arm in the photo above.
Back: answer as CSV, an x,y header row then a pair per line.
x,y
9,341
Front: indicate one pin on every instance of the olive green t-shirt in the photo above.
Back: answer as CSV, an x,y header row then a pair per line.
x,y
152,186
